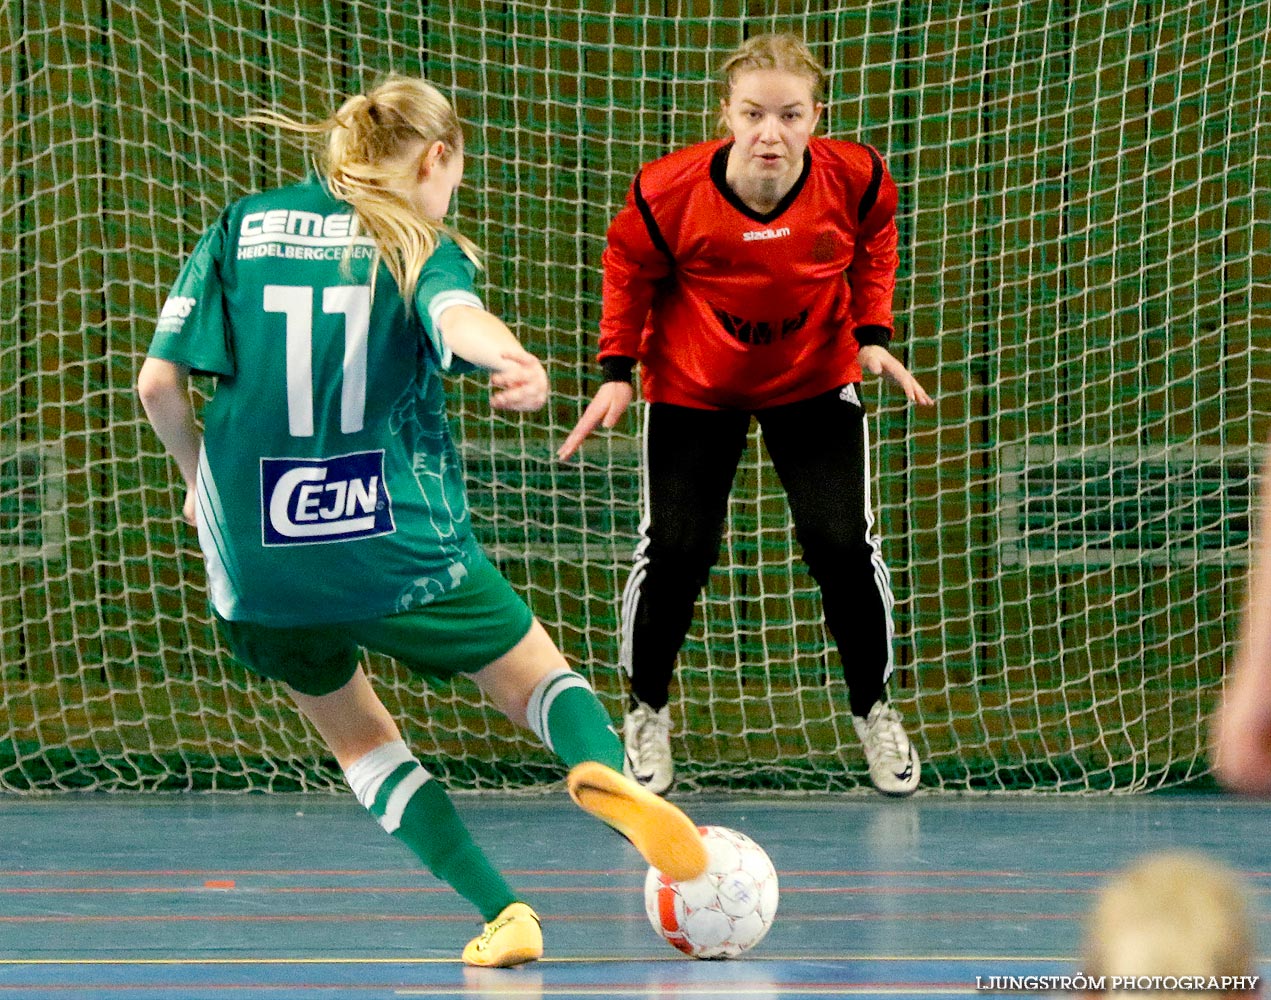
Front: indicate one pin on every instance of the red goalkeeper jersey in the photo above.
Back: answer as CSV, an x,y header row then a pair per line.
x,y
728,308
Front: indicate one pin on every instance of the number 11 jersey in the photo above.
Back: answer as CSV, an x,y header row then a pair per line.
x,y
329,488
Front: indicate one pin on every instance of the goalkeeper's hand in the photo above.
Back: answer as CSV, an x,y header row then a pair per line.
x,y
611,402
878,361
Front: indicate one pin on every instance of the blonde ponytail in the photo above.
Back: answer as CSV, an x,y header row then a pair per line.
x,y
374,145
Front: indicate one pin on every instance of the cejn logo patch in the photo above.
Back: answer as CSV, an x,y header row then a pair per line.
x,y
305,501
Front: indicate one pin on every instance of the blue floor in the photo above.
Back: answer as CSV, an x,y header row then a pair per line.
x,y
194,897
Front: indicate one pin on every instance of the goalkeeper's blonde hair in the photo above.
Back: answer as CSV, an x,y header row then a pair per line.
x,y
781,51
1176,913
375,144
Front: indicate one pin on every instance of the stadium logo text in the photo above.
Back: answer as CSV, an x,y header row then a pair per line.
x,y
306,501
765,234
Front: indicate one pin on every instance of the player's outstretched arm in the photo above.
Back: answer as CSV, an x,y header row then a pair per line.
x,y
481,338
879,361
1242,726
605,410
165,395
1242,730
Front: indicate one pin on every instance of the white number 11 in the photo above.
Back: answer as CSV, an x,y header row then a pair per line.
x,y
296,303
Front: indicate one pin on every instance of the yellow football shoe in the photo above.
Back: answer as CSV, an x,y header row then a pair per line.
x,y
661,832
514,937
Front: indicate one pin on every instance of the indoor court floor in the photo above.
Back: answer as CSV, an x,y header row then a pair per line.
x,y
256,897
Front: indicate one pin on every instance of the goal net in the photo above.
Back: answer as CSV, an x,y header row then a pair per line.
x,y
1084,191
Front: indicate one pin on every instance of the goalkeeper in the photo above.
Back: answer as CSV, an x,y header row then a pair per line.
x,y
328,494
753,276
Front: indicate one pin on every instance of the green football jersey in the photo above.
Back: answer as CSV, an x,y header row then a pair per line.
x,y
328,488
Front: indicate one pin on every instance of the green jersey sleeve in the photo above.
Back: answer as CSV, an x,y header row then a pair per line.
x,y
447,280
191,330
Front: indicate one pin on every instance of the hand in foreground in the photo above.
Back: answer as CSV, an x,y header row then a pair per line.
x,y
187,508
878,361
1241,738
611,402
520,385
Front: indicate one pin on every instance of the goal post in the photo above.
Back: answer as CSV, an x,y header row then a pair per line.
x,y
1084,200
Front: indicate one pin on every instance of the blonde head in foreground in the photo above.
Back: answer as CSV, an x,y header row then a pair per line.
x,y
1171,914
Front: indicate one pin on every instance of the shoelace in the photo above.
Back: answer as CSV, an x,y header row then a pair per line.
x,y
888,732
648,734
492,929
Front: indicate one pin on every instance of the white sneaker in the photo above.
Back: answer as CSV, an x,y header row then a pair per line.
x,y
893,762
646,734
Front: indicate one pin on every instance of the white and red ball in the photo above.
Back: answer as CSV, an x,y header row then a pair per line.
x,y
723,912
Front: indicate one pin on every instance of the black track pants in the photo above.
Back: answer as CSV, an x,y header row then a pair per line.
x,y
819,448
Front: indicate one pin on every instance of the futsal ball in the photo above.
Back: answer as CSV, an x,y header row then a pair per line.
x,y
723,912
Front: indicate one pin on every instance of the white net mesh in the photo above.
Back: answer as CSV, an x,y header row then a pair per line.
x,y
1084,205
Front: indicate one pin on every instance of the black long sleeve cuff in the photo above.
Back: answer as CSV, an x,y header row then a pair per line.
x,y
617,368
876,335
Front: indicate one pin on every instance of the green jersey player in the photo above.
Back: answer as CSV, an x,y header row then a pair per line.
x,y
328,495
285,477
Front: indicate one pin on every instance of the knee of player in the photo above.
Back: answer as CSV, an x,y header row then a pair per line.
x,y
836,548
687,557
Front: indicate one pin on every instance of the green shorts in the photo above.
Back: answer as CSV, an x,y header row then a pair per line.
x,y
460,632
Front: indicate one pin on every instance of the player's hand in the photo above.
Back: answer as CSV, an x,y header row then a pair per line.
x,y
1241,748
878,361
520,384
187,508
605,410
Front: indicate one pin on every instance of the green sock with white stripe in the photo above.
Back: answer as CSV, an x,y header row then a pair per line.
x,y
415,809
566,715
